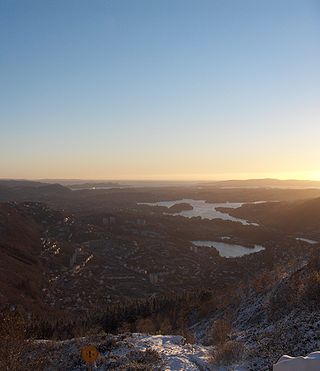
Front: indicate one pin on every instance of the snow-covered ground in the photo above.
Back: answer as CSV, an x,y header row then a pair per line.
x,y
309,363
154,352
175,353
129,352
126,352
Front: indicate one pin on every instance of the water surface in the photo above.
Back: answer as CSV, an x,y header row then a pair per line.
x,y
228,250
204,209
311,242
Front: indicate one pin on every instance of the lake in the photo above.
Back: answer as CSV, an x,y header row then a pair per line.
x,y
204,209
228,250
311,242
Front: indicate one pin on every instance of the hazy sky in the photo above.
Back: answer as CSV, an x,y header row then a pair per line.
x,y
164,89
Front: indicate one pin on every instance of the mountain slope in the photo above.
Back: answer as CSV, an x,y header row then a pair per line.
x,y
275,315
20,269
23,264
297,216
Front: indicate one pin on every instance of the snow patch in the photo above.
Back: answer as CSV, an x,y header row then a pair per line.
x,y
176,354
309,363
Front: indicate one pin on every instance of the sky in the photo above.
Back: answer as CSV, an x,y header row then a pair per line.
x,y
160,89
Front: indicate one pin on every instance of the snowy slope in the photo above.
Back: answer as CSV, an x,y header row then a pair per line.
x,y
126,352
280,318
174,352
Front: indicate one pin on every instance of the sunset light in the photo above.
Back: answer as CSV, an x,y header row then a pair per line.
x,y
160,185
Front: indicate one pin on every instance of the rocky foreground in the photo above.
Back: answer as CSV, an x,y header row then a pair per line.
x,y
145,352
124,352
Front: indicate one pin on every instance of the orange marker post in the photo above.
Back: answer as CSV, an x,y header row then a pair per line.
x,y
89,355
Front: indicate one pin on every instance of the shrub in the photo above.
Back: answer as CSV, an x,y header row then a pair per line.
x,y
165,327
149,356
188,335
145,325
312,288
220,331
227,353
263,282
15,351
12,334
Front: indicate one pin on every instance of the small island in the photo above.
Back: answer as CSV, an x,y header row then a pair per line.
x,y
177,208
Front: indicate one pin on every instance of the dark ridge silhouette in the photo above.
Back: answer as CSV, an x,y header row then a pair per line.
x,y
264,183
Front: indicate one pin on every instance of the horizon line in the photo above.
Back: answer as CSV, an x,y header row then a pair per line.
x,y
159,179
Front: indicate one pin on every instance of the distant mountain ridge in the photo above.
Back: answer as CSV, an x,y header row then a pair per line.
x,y
300,215
12,183
24,190
231,183
264,183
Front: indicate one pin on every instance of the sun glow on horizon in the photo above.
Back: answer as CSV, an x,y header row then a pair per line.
x,y
130,91
303,176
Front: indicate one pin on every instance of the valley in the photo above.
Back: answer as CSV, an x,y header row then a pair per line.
x,y
95,257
